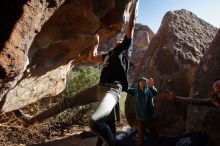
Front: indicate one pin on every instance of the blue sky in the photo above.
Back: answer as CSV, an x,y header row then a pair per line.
x,y
151,12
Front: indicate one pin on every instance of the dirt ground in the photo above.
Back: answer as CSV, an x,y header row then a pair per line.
x,y
71,139
79,137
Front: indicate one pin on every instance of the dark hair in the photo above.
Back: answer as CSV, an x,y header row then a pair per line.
x,y
141,79
216,79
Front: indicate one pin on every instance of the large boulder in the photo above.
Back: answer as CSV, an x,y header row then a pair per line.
x,y
177,49
209,69
205,119
22,21
208,118
174,55
43,40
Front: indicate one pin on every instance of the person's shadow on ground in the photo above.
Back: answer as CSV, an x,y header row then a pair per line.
x,y
72,140
89,139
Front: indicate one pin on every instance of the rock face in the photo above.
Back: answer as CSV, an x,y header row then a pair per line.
x,y
22,22
42,40
206,119
175,53
177,49
209,69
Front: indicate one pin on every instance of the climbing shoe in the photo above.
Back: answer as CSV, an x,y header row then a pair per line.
x,y
22,118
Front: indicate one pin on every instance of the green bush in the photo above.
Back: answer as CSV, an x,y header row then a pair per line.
x,y
78,80
84,77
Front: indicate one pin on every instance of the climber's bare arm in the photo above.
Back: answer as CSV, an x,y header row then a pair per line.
x,y
198,101
129,30
96,59
193,100
93,53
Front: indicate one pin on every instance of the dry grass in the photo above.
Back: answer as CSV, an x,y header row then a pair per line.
x,y
11,132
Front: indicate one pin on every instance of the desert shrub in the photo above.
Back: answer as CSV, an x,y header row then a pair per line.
x,y
80,79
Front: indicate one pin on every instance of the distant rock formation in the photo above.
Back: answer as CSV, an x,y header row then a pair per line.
x,y
142,37
138,63
42,40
